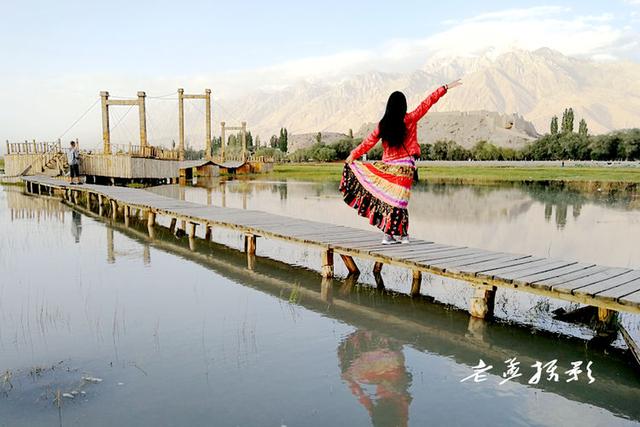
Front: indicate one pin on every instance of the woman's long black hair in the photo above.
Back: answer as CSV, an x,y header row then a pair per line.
x,y
391,126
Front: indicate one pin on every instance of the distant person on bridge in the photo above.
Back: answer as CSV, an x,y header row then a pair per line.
x,y
73,157
380,190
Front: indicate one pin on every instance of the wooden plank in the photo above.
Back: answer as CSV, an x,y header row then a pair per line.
x,y
545,283
401,250
494,265
433,249
622,290
550,265
530,278
518,266
568,287
631,344
453,265
437,256
631,299
468,266
608,284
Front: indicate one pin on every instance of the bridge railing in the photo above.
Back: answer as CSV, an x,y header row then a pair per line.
x,y
148,152
33,147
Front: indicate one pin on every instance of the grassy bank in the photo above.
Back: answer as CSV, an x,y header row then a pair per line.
x,y
478,174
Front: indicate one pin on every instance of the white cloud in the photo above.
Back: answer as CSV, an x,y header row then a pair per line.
x,y
556,27
60,99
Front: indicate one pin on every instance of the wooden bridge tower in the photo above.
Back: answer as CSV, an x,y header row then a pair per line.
x,y
243,132
106,133
207,97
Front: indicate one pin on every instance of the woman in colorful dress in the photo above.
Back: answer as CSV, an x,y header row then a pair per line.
x,y
380,190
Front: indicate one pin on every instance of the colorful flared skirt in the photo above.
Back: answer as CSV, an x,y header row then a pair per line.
x,y
380,191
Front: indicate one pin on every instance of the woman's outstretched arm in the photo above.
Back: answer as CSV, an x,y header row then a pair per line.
x,y
425,105
367,144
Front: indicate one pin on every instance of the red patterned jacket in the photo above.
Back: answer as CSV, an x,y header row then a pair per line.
x,y
411,146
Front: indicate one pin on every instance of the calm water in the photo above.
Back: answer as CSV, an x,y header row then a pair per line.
x,y
193,337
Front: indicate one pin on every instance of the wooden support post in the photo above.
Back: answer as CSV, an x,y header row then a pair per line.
x,y
326,289
207,233
127,214
244,141
377,267
143,122
88,200
106,135
482,303
151,222
192,229
251,262
172,225
207,123
111,254
327,263
605,315
350,264
75,197
114,210
250,244
377,275
416,283
183,225
100,203
181,124
146,254
222,140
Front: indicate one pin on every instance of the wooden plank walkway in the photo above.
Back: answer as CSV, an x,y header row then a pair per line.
x,y
608,288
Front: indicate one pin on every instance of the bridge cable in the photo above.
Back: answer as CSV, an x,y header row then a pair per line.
x,y
79,118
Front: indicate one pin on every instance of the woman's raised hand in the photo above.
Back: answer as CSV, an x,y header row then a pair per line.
x,y
453,84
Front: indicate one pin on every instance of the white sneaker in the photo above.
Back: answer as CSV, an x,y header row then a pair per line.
x,y
405,240
388,239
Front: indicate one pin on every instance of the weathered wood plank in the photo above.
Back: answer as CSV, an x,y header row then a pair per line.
x,y
496,264
622,290
470,266
437,256
608,284
530,262
559,272
541,268
631,299
568,287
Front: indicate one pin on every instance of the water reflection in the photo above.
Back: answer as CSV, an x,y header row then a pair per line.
x,y
218,340
76,225
373,367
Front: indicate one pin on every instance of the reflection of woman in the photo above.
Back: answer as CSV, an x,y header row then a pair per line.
x,y
372,361
380,190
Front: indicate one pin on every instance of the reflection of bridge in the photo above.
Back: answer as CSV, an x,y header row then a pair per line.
x,y
610,289
412,321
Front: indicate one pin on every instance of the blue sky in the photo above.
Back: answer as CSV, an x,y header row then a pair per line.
x,y
57,56
176,38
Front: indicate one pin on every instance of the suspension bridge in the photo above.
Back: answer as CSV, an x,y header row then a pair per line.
x,y
142,161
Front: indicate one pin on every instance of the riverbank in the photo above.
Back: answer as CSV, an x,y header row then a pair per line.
x,y
614,176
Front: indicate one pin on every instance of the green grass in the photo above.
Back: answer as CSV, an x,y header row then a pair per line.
x,y
477,174
1,163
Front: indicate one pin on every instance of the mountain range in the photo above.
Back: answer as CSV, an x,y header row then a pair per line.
x,y
533,85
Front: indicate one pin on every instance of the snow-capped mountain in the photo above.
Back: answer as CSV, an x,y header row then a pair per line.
x,y
533,84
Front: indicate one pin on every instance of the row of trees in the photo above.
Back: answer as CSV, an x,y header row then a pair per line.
x,y
561,143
